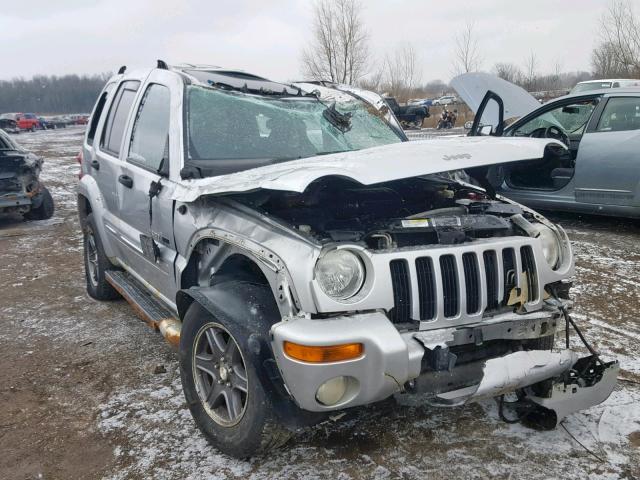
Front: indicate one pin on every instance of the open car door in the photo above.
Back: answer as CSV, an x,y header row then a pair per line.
x,y
489,121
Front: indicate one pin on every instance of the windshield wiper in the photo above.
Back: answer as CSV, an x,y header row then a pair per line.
x,y
332,152
342,121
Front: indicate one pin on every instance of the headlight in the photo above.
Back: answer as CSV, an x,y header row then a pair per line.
x,y
340,274
550,245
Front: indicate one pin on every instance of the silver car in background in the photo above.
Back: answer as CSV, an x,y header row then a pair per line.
x,y
598,173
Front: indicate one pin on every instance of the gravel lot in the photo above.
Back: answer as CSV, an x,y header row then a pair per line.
x,y
80,398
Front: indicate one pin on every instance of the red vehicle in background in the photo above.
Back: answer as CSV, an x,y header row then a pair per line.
x,y
24,121
80,118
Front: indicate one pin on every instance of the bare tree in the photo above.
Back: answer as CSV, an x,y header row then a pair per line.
x,y
338,51
531,68
401,72
508,71
467,56
374,81
605,63
619,51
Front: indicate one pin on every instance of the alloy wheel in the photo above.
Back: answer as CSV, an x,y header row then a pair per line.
x,y
220,374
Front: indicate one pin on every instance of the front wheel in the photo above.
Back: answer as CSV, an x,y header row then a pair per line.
x,y
222,389
45,209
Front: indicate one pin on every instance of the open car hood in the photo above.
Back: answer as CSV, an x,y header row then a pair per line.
x,y
472,87
371,165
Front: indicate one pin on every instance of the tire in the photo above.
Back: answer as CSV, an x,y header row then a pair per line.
x,y
417,123
96,264
43,211
240,424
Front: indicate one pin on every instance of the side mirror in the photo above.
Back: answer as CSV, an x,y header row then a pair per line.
x,y
486,130
468,125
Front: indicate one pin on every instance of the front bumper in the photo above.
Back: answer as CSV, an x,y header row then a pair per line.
x,y
10,200
395,361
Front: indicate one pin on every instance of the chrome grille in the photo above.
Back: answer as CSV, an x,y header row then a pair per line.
x,y
401,311
461,284
471,281
450,290
426,288
491,278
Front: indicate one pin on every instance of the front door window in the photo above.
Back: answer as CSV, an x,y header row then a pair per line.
x,y
571,119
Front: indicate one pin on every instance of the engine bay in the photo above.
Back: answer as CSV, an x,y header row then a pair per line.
x,y
403,213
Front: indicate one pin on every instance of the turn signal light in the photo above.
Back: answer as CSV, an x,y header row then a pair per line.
x,y
323,354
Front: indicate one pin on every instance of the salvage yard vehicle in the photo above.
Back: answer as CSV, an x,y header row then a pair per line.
x,y
25,121
306,258
409,116
599,172
588,85
9,125
445,100
21,190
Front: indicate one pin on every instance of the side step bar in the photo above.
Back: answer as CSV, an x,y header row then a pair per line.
x,y
148,308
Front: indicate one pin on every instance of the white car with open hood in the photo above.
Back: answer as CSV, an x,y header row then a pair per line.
x,y
305,258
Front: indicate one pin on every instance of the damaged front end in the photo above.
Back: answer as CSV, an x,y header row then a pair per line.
x,y
19,184
450,305
548,385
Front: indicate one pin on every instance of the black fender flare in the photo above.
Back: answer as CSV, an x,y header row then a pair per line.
x,y
251,308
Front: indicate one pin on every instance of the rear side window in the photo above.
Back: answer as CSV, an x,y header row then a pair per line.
x,y
620,114
150,136
116,121
95,118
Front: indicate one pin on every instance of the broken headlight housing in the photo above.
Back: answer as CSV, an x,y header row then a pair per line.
x,y
340,274
550,244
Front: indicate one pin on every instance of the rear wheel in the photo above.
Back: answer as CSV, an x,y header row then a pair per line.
x,y
223,392
43,211
96,264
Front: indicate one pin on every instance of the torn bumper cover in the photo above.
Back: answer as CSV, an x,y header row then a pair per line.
x,y
420,364
560,383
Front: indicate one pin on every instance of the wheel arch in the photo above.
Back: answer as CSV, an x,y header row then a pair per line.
x,y
89,200
229,262
248,307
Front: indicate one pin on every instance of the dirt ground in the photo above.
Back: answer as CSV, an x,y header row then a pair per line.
x,y
79,397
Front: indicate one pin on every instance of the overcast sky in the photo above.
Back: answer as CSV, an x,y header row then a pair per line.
x,y
266,37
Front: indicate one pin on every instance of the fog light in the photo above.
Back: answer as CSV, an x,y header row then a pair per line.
x,y
332,391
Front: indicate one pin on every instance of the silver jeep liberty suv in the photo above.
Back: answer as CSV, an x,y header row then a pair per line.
x,y
305,258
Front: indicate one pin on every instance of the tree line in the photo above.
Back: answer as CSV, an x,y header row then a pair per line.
x,y
50,94
338,51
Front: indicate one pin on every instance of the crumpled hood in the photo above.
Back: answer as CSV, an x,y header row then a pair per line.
x,y
371,165
472,87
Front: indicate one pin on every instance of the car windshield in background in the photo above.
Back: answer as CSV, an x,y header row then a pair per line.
x,y
585,87
233,125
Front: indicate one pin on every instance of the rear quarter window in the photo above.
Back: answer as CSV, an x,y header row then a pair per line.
x,y
113,130
97,113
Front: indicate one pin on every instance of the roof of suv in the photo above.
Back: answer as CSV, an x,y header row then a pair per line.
x,y
235,80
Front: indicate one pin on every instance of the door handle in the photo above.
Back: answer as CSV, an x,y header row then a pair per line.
x,y
126,180
95,164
